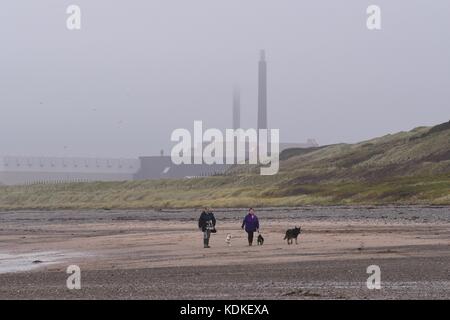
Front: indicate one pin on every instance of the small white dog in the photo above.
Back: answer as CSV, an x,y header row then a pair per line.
x,y
228,239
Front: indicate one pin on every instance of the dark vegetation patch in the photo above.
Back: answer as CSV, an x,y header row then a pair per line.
x,y
293,152
439,128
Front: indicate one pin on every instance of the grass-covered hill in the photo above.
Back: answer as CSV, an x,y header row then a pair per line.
x,y
403,168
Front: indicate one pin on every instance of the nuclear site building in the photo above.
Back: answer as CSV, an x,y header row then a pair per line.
x,y
18,170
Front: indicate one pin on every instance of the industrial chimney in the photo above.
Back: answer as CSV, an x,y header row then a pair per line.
x,y
262,92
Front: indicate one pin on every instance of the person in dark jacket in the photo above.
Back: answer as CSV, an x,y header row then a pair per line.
x,y
207,223
251,224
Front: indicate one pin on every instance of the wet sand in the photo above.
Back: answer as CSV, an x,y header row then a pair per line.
x,y
159,255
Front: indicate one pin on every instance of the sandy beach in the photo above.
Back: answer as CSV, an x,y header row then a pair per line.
x,y
146,254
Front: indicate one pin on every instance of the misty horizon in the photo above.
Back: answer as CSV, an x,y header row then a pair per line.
x,y
137,71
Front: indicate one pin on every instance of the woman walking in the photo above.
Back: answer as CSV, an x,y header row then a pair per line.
x,y
251,224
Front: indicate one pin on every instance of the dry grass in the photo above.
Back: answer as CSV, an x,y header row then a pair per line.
x,y
404,168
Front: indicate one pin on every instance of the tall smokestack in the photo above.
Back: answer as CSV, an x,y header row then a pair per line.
x,y
236,108
262,91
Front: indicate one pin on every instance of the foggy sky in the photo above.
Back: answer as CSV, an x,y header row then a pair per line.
x,y
139,69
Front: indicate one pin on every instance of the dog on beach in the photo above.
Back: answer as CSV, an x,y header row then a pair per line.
x,y
260,240
228,239
292,234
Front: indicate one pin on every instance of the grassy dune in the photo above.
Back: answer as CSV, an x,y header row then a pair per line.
x,y
404,168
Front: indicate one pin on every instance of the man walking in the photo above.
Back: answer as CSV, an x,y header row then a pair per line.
x,y
207,223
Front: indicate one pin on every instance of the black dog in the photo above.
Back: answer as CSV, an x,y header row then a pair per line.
x,y
260,240
292,234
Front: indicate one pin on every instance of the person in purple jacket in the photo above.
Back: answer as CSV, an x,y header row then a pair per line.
x,y
251,224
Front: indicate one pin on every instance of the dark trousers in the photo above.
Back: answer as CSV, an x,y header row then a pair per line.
x,y
206,236
250,237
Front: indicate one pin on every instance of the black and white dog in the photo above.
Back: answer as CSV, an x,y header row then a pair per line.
x,y
292,234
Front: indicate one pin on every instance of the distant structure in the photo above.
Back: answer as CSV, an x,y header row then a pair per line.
x,y
32,170
162,167
262,91
236,108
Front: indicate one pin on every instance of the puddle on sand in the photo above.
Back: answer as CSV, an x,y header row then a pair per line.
x,y
21,262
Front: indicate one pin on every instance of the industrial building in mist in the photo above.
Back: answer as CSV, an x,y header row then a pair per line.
x,y
19,170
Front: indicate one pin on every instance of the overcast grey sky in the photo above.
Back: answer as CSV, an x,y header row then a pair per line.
x,y
139,69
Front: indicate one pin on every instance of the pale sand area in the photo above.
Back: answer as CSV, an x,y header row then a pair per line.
x,y
136,242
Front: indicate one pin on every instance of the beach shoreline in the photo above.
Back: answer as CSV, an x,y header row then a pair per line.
x,y
146,254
